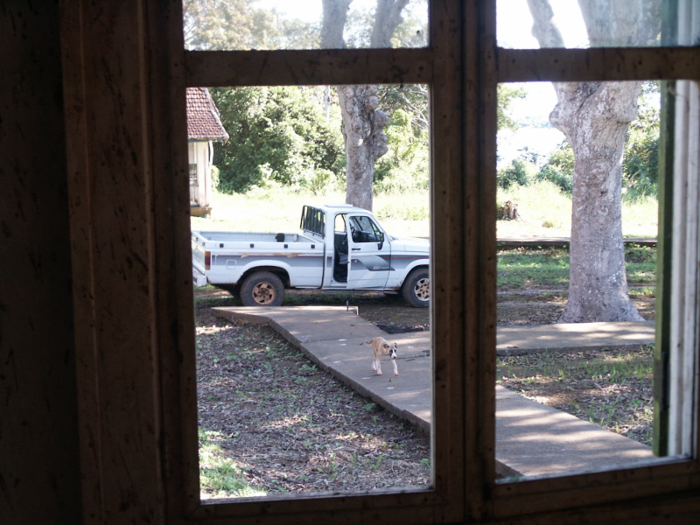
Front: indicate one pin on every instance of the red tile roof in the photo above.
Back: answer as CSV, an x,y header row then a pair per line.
x,y
203,122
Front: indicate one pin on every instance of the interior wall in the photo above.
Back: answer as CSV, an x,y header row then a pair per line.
x,y
39,474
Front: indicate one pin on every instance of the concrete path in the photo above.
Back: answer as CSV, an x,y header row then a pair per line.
x,y
531,439
572,337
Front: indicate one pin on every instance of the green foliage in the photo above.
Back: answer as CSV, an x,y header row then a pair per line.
x,y
224,24
641,157
520,172
559,168
278,135
406,166
505,96
411,98
241,24
640,162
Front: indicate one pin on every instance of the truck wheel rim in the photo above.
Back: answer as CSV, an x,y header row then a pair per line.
x,y
264,293
422,289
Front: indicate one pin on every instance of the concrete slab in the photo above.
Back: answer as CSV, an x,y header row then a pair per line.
x,y
305,324
572,337
532,439
408,395
335,338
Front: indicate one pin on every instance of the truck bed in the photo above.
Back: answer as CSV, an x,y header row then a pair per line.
x,y
249,237
226,257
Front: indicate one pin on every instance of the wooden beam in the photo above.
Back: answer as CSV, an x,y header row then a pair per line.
x,y
109,144
609,64
309,67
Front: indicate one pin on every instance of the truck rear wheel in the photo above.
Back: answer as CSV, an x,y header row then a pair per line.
x,y
416,288
262,289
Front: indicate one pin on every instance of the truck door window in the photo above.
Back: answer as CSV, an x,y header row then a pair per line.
x,y
364,229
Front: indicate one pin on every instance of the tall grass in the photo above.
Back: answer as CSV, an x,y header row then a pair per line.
x,y
640,218
402,214
545,211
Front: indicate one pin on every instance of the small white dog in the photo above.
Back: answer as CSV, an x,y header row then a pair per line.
x,y
381,347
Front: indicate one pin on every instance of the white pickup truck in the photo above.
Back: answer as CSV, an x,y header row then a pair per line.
x,y
341,247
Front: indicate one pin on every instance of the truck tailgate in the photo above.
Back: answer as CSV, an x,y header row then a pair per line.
x,y
198,277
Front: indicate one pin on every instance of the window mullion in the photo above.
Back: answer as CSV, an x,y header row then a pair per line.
x,y
597,64
309,67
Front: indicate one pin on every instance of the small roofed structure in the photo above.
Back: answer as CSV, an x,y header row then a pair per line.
x,y
203,128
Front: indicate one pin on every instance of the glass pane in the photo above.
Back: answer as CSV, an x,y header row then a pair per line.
x,y
577,230
591,23
304,24
276,417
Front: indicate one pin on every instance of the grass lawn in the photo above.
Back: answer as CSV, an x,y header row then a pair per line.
x,y
546,212
549,268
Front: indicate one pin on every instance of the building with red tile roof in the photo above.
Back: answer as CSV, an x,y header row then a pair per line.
x,y
204,127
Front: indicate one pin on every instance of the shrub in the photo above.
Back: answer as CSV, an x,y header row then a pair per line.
x,y
559,169
521,172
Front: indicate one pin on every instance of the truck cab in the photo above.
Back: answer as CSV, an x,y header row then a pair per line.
x,y
364,256
341,247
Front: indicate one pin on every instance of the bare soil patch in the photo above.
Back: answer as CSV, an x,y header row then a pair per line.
x,y
288,427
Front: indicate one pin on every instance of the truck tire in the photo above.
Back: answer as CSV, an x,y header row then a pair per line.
x,y
416,288
262,289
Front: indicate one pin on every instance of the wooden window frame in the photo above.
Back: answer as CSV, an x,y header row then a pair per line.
x,y
436,66
138,424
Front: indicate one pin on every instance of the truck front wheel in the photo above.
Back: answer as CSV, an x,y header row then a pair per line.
x,y
262,289
416,288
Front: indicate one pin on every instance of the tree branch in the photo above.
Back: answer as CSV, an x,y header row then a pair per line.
x,y
544,29
335,15
386,19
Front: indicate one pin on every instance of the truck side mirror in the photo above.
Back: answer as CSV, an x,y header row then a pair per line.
x,y
381,240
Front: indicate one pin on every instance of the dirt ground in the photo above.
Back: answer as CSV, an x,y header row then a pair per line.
x,y
289,427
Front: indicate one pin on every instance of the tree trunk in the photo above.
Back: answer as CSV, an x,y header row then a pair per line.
x,y
335,15
363,123
365,140
595,117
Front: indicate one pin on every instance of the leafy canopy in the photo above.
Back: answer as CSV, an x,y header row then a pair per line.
x,y
277,135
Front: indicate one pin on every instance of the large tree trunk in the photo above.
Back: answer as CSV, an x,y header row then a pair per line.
x,y
595,117
365,140
363,123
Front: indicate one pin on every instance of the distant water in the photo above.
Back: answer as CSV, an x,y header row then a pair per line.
x,y
542,141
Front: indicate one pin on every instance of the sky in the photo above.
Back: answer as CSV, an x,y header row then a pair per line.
x,y
514,25
514,30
